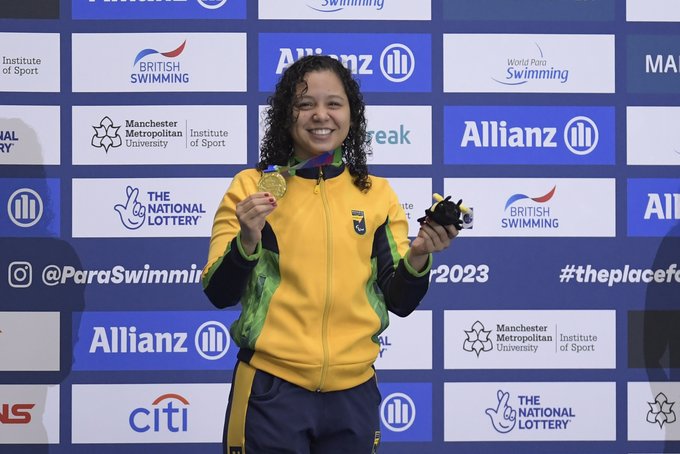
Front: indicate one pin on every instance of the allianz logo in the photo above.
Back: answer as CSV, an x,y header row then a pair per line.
x,y
665,206
208,4
397,61
25,207
580,135
211,340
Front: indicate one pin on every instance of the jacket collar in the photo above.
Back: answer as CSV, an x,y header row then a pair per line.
x,y
329,171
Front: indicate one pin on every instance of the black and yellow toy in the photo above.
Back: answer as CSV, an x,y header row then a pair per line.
x,y
445,212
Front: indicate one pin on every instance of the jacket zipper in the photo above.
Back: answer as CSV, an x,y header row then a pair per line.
x,y
320,186
318,181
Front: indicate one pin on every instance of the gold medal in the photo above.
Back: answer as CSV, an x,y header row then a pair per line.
x,y
273,183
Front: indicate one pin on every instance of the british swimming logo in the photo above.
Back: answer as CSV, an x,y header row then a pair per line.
x,y
170,54
534,216
164,71
542,199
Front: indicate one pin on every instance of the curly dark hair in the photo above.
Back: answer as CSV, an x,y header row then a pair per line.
x,y
277,144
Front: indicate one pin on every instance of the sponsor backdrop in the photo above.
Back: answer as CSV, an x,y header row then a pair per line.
x,y
551,325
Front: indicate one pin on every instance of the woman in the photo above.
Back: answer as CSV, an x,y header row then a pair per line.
x,y
317,252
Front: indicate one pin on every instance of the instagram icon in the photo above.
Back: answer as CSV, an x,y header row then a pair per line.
x,y
20,274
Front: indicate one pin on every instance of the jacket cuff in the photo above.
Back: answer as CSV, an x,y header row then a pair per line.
x,y
254,256
414,272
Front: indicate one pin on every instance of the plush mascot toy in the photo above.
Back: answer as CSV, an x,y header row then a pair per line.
x,y
445,212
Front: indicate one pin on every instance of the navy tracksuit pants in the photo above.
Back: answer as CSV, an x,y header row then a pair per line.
x,y
267,415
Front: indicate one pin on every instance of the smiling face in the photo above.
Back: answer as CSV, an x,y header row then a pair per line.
x,y
323,116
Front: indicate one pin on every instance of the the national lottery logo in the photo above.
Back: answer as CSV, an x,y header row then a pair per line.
x,y
25,207
397,61
661,411
398,412
106,135
132,213
159,211
167,413
477,339
150,70
534,216
527,412
534,67
8,139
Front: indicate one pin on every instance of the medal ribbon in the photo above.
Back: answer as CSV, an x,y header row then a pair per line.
x,y
332,157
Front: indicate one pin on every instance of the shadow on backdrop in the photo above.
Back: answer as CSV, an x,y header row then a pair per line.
x,y
30,242
654,342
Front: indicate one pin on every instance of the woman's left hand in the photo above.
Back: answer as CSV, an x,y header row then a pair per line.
x,y
432,237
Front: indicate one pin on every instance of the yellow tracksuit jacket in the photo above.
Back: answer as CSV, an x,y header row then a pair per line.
x,y
315,294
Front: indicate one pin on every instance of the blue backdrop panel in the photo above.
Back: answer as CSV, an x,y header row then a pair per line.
x,y
138,340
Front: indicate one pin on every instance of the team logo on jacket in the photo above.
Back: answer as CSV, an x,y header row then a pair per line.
x,y
359,221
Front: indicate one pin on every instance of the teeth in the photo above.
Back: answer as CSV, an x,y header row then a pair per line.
x,y
320,132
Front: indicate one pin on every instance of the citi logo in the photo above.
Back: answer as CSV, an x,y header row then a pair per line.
x,y
397,61
580,135
398,412
15,413
25,207
168,413
662,206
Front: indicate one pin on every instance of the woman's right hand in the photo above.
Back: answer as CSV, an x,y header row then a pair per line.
x,y
251,213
